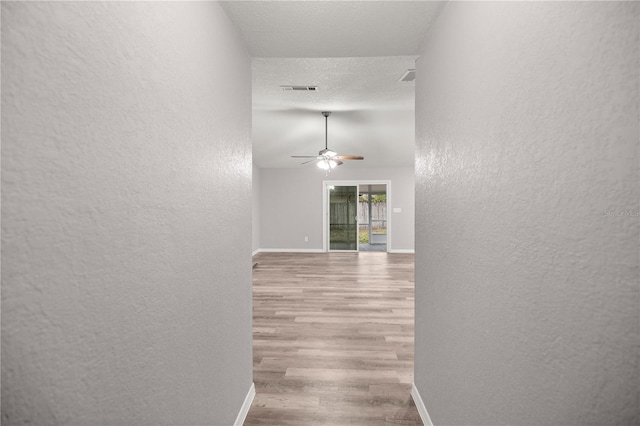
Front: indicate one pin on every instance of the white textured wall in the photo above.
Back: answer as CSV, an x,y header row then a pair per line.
x,y
527,292
255,209
126,195
291,204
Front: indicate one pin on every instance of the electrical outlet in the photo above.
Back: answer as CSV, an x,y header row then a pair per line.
x,y
306,238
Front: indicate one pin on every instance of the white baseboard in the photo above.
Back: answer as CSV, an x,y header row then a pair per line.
x,y
422,410
255,252
244,410
408,251
285,250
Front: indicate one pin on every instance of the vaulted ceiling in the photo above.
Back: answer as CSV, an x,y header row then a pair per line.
x,y
355,52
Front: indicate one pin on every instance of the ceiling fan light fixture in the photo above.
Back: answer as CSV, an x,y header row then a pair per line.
x,y
327,164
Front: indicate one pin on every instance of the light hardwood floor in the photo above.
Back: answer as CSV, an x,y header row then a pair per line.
x,y
333,339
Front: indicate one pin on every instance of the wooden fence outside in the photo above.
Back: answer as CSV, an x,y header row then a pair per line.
x,y
342,215
378,215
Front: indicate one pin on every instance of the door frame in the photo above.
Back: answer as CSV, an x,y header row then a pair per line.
x,y
325,207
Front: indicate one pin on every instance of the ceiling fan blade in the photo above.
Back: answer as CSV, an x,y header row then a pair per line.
x,y
338,162
306,162
349,157
304,156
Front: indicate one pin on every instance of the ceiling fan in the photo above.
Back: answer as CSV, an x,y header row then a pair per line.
x,y
328,159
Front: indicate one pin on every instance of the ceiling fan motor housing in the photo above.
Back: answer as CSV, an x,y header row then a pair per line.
x,y
327,153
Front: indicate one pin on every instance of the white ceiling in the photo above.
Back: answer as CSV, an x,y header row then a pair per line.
x,y
355,52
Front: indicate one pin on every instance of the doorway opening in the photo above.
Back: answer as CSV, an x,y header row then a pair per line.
x,y
356,216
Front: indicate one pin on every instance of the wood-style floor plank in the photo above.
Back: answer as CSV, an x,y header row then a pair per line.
x,y
333,339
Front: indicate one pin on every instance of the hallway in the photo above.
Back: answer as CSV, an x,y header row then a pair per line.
x,y
333,339
147,153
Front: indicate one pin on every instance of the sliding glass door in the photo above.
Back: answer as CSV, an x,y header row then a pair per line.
x,y
343,218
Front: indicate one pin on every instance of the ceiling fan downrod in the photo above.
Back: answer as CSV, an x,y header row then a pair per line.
x,y
326,127
326,152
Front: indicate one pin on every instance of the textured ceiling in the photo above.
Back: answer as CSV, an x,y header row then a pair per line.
x,y
355,52
329,29
372,113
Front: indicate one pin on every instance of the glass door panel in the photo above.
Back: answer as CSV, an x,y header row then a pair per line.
x,y
372,217
343,218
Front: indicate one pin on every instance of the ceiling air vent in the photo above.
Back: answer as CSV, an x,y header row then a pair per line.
x,y
409,75
300,88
